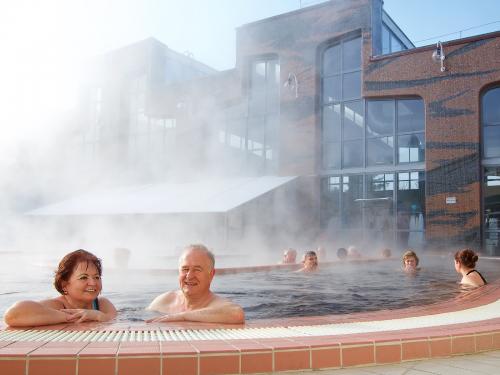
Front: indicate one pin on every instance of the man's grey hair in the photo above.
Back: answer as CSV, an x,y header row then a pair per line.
x,y
202,248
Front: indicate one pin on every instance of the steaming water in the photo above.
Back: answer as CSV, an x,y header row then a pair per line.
x,y
338,289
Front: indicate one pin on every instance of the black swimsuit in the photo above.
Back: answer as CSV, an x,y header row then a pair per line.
x,y
482,278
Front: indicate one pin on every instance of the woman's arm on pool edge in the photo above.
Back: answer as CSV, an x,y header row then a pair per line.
x,y
106,312
31,313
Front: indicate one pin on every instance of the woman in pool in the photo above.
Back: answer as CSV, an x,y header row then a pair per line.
x,y
410,261
78,280
465,263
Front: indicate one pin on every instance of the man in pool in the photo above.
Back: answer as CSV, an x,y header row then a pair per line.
x,y
310,262
195,301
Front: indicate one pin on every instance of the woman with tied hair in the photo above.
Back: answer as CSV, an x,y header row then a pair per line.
x,y
410,261
78,280
465,263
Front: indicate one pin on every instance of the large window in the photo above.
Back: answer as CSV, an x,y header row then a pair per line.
x,y
410,130
410,208
380,125
390,42
373,151
391,132
400,119
381,209
490,115
491,123
342,123
252,132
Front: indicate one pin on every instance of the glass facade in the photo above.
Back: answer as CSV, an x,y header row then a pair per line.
x,y
490,115
253,138
384,209
94,131
491,123
390,42
373,184
342,124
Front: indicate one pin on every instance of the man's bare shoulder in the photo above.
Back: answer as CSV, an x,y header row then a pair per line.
x,y
220,301
163,301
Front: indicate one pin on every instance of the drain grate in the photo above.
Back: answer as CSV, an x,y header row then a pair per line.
x,y
489,311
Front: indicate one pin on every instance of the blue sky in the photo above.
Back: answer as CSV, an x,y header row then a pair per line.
x,y
44,43
69,29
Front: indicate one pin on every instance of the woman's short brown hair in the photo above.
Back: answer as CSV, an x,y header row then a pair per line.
x,y
68,264
466,257
410,254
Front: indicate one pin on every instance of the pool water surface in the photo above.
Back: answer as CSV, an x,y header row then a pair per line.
x,y
340,288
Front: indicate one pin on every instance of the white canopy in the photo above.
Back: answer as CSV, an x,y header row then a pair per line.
x,y
208,196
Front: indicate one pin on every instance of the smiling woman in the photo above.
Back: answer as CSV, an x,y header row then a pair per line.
x,y
78,279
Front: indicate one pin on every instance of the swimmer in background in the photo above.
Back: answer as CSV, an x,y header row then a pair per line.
x,y
341,253
410,261
353,252
289,256
386,253
310,262
465,263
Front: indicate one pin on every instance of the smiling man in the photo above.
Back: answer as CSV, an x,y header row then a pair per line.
x,y
195,301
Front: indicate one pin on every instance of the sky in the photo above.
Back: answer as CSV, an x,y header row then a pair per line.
x,y
45,43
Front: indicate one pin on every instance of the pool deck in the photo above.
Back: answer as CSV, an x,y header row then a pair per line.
x,y
464,325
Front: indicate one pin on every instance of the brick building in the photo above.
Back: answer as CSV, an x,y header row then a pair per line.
x,y
393,146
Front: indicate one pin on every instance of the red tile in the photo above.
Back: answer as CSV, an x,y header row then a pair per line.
x,y
463,345
325,358
101,349
496,340
180,365
484,342
388,353
5,343
94,366
317,341
219,364
12,366
214,347
137,365
52,366
412,350
19,349
440,347
291,360
256,362
248,345
280,343
139,349
58,349
357,355
174,347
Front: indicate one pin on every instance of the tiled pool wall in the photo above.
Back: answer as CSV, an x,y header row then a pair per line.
x,y
259,346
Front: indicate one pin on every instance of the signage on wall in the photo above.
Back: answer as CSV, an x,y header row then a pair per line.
x,y
451,200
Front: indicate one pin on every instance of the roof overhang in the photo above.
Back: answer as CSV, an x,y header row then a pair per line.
x,y
207,196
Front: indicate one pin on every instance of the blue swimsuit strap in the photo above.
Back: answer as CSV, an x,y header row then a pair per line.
x,y
95,304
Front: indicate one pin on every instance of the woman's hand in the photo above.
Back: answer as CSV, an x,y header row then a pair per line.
x,y
82,315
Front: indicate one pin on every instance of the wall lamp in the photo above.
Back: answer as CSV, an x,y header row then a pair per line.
x,y
439,56
292,83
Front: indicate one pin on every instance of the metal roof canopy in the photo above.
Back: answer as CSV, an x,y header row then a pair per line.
x,y
206,196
